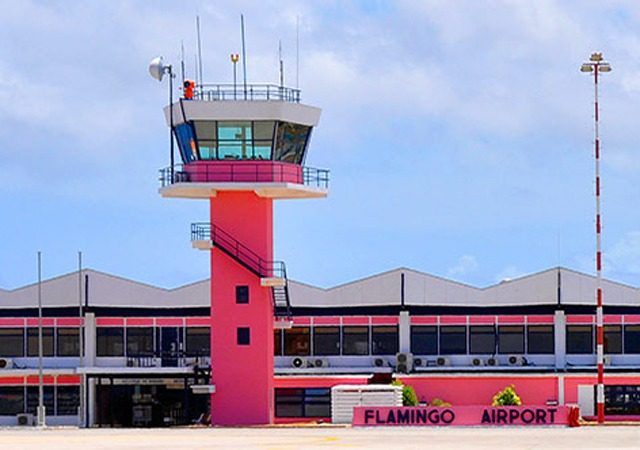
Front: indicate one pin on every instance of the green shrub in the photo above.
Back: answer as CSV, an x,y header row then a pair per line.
x,y
506,397
439,402
409,396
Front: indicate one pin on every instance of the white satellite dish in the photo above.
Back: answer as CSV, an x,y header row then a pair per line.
x,y
157,68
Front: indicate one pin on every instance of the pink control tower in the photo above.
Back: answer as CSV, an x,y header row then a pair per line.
x,y
241,149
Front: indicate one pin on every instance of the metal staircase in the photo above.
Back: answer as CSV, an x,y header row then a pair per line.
x,y
251,261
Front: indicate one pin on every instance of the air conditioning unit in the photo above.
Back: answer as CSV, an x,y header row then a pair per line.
x,y
320,362
442,361
492,362
25,420
6,363
379,362
419,362
517,360
404,362
298,363
608,360
477,362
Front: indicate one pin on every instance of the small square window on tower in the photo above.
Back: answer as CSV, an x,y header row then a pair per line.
x,y
244,336
242,294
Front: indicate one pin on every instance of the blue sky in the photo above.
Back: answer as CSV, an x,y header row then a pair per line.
x,y
458,134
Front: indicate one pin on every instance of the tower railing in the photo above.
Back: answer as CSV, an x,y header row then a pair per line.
x,y
252,92
237,172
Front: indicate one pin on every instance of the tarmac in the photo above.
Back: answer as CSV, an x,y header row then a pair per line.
x,y
323,437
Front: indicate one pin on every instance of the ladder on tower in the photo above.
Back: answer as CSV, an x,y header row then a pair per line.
x,y
271,273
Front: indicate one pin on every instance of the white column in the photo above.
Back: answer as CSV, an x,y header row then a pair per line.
x,y
404,332
560,340
90,339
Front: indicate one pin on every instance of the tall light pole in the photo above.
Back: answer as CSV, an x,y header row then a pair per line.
x,y
41,415
597,65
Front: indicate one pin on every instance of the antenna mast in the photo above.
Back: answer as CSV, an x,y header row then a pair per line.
x,y
182,60
199,50
244,56
297,52
281,64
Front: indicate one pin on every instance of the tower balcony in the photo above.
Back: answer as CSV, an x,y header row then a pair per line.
x,y
271,179
252,92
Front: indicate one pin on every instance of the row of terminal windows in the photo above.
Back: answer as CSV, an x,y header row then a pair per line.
x,y
451,340
296,402
111,341
346,340
58,400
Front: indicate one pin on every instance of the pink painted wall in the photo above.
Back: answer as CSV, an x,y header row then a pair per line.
x,y
477,390
244,171
571,384
243,375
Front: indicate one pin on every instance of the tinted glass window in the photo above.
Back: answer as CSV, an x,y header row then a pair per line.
x,y
33,400
235,140
579,339
11,400
110,341
277,342
453,340
482,340
297,341
68,341
613,339
384,340
540,339
11,342
326,341
291,142
310,402
67,400
511,339
242,294
140,341
424,340
47,341
244,336
632,338
355,340
198,341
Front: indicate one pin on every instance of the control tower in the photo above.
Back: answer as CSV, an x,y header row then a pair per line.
x,y
242,147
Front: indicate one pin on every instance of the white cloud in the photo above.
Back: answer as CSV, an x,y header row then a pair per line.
x,y
509,273
465,265
624,256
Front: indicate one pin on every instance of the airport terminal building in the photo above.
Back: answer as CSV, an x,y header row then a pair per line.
x,y
148,349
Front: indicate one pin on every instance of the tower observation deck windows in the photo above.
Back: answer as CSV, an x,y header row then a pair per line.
x,y
211,140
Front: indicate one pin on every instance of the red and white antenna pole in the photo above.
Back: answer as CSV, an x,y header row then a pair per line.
x,y
596,65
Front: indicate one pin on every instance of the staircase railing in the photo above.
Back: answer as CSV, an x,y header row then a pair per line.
x,y
248,259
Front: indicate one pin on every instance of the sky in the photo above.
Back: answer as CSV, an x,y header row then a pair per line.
x,y
459,135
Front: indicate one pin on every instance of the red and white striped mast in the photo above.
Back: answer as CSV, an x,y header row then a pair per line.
x,y
597,65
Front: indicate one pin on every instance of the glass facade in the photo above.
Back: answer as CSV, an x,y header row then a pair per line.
x,y
68,341
424,340
453,340
212,140
355,340
198,341
579,339
540,339
310,402
47,341
326,341
482,340
297,341
139,341
384,340
110,341
11,342
511,339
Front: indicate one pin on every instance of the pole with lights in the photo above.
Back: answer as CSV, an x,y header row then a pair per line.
x,y
157,69
595,66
